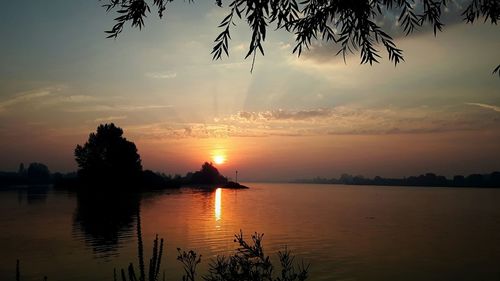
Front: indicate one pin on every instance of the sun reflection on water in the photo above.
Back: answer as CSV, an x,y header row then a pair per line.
x,y
218,204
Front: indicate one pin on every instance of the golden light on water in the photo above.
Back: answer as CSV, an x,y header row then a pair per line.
x,y
218,204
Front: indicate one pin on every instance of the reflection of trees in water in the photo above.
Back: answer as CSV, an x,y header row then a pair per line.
x,y
33,194
104,220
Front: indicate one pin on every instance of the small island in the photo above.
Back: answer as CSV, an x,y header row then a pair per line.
x,y
209,177
234,185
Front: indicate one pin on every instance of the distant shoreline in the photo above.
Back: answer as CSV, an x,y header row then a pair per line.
x,y
142,180
491,180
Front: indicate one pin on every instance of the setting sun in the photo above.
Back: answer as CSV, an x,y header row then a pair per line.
x,y
219,159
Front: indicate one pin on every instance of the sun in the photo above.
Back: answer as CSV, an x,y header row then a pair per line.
x,y
219,159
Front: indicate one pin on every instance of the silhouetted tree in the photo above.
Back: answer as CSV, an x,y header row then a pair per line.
x,y
475,180
108,157
495,179
153,180
38,172
458,180
208,175
353,25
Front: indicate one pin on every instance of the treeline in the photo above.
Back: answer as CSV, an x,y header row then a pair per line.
x,y
429,179
36,173
207,175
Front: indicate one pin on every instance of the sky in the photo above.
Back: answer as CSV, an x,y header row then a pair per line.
x,y
316,115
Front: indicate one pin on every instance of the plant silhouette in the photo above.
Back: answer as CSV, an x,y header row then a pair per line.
x,y
354,26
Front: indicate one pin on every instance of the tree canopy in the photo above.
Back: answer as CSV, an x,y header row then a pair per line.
x,y
351,25
207,175
108,157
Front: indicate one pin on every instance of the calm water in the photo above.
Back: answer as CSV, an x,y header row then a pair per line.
x,y
345,232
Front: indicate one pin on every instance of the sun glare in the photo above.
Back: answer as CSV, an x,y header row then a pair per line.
x,y
219,159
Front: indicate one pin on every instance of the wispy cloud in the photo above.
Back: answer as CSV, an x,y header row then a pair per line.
x,y
124,108
340,120
55,97
280,114
284,46
239,47
161,75
109,118
487,106
24,98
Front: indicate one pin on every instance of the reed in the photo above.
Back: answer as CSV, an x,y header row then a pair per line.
x,y
154,266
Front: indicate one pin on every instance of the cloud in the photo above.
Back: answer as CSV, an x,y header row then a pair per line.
x,y
56,100
230,65
109,118
359,120
342,120
50,97
161,75
483,105
280,114
124,108
239,47
24,98
284,46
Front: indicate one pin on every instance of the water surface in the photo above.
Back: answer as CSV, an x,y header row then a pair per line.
x,y
345,232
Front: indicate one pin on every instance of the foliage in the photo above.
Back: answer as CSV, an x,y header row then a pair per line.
x,y
38,172
154,180
250,263
350,24
190,261
108,156
207,175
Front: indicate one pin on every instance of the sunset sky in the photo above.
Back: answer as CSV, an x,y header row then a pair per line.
x,y
291,118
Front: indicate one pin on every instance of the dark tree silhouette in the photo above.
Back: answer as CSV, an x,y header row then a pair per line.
x,y
429,179
350,24
208,175
38,172
108,157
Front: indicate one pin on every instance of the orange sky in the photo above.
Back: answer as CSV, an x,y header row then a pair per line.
x,y
278,158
